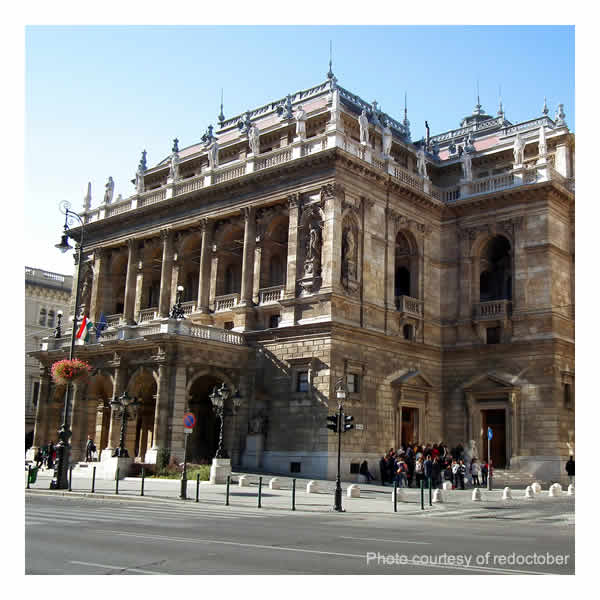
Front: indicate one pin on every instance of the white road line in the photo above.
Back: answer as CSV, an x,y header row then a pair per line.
x,y
346,537
132,569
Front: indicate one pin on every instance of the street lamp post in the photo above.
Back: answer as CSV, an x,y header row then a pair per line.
x,y
177,310
340,389
122,406
63,448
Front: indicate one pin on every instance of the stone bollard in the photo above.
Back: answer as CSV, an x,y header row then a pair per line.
x,y
243,481
476,497
447,485
275,483
571,490
555,490
528,492
437,497
353,491
506,494
536,487
312,487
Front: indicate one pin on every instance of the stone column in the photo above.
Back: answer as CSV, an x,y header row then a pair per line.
x,y
257,268
331,251
98,284
520,271
249,215
114,431
204,281
130,282
178,409
161,414
292,257
40,430
214,268
166,236
470,415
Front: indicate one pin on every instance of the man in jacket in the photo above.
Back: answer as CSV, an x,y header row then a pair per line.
x,y
570,469
427,470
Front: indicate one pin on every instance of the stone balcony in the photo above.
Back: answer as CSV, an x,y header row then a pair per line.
x,y
226,302
410,306
270,295
531,173
492,310
163,326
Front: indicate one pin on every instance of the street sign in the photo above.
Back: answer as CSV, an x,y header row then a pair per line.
x,y
188,430
359,426
489,433
189,420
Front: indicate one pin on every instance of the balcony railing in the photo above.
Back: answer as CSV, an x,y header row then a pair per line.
x,y
113,320
270,294
188,307
493,309
147,314
226,302
410,306
239,168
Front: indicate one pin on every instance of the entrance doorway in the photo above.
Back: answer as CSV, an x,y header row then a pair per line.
x,y
496,419
203,442
410,426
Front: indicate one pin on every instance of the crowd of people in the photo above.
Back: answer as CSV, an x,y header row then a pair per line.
x,y
46,456
409,466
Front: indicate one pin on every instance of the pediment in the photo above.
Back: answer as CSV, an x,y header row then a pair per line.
x,y
413,378
488,382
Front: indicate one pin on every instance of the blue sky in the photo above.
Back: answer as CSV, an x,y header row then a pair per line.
x,y
96,96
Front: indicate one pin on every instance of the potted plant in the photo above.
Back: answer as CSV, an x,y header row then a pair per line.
x,y
70,371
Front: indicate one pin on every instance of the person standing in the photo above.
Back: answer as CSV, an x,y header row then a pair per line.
x,y
364,470
383,469
419,472
427,470
90,448
401,473
51,454
454,474
475,470
461,473
570,469
436,469
484,474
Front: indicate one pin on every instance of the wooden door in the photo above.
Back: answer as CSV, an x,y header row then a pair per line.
x,y
496,419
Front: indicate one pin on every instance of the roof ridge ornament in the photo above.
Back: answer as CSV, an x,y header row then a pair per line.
x,y
221,117
545,110
559,119
330,74
87,199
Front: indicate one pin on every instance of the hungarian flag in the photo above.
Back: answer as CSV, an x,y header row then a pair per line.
x,y
84,329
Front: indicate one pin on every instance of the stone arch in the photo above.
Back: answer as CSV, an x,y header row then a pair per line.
x,y
494,268
114,300
99,393
274,252
143,385
350,251
230,244
406,265
188,259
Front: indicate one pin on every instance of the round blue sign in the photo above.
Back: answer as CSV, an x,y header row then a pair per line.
x,y
189,420
489,433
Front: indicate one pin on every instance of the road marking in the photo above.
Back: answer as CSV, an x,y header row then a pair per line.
x,y
346,537
88,564
228,543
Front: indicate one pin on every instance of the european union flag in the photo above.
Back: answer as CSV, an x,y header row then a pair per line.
x,y
101,325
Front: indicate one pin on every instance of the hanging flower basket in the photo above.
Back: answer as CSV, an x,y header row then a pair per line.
x,y
70,371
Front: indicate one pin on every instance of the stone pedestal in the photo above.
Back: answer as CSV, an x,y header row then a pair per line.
x,y
109,465
255,444
150,456
220,468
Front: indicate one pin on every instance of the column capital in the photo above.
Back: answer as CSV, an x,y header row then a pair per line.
x,y
166,235
294,200
248,213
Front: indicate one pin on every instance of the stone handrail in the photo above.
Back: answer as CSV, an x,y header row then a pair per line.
x,y
117,209
206,332
147,314
276,157
113,320
492,183
228,174
270,294
152,197
408,178
189,185
226,302
492,309
409,305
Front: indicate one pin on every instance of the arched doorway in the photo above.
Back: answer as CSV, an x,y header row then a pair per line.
x,y
203,442
495,279
143,387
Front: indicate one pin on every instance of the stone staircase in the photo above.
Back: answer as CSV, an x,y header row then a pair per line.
x,y
519,479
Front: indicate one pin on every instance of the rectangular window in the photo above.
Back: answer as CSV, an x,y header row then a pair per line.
x,y
567,395
493,335
228,325
354,468
295,467
302,381
274,321
352,381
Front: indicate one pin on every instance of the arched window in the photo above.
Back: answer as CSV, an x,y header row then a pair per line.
x,y
407,332
42,317
495,279
231,279
402,282
190,291
50,322
275,271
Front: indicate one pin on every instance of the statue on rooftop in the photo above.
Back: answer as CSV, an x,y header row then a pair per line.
x,y
174,167
518,150
363,123
542,146
109,191
421,162
387,139
254,139
467,165
300,123
213,154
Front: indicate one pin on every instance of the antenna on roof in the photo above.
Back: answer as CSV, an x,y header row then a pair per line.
x,y
330,73
221,117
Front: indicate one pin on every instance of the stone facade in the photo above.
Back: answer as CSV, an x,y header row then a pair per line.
x,y
443,294
46,294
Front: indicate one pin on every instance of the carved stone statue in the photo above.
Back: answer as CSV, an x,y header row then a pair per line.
x,y
387,139
174,168
312,250
421,163
254,139
518,150
213,155
139,180
542,146
363,123
467,165
300,123
109,191
348,254
258,424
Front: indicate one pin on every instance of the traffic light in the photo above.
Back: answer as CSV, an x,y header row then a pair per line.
x,y
332,423
348,422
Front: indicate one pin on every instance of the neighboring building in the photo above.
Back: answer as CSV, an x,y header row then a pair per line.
x,y
45,295
314,241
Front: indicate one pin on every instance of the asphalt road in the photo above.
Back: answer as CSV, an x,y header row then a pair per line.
x,y
83,535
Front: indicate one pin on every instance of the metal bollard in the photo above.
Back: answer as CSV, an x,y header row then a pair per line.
x,y
259,491
143,477
430,492
293,494
227,490
71,478
395,496
117,481
422,504
197,486
94,480
28,475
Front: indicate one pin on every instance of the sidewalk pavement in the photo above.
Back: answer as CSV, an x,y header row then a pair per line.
x,y
374,498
